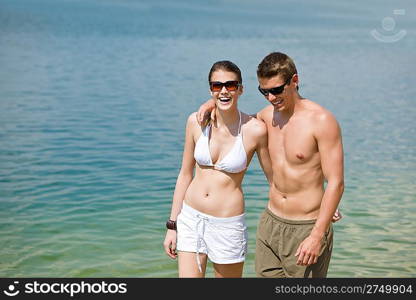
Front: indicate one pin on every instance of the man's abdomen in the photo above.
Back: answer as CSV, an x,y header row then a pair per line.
x,y
296,197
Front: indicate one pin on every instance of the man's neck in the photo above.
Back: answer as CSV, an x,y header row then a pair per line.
x,y
295,104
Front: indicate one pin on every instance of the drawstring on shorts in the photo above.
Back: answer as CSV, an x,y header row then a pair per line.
x,y
200,237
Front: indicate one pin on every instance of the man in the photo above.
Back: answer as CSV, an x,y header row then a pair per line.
x,y
294,235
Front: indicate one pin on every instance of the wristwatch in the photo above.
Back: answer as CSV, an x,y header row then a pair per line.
x,y
170,224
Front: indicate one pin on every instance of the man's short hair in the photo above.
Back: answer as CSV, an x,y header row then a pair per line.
x,y
276,63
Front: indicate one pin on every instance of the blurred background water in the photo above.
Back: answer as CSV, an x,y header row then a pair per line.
x,y
94,96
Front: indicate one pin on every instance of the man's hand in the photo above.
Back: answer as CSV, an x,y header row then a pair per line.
x,y
170,243
308,251
337,216
206,112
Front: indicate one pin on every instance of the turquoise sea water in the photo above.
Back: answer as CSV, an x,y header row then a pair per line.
x,y
94,96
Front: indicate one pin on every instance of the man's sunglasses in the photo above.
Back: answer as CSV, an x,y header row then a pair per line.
x,y
216,86
274,91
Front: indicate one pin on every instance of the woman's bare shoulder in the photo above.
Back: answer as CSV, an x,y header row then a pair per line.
x,y
192,118
253,126
192,124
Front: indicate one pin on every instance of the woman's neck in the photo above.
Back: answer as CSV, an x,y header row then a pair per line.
x,y
226,117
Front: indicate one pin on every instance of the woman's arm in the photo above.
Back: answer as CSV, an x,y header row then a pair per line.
x,y
262,151
186,172
182,183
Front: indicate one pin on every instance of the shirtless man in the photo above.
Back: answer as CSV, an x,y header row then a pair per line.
x,y
294,234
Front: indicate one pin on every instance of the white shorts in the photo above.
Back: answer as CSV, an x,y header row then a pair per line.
x,y
224,240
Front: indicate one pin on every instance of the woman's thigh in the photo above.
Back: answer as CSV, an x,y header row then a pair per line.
x,y
188,266
228,270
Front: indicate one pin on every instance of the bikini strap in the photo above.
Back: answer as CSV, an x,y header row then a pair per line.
x,y
239,125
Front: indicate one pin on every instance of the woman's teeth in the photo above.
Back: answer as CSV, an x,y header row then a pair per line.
x,y
224,99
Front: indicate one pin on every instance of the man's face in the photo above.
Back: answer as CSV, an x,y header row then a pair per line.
x,y
276,90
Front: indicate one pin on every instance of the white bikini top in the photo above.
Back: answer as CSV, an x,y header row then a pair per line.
x,y
234,162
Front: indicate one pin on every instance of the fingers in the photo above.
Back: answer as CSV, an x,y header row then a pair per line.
x,y
206,112
305,258
171,253
300,259
170,249
199,117
310,260
300,254
337,216
213,115
202,118
173,250
167,248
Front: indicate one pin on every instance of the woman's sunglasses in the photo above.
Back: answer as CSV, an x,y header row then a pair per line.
x,y
216,86
274,91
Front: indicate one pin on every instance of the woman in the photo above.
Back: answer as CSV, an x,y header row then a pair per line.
x,y
208,208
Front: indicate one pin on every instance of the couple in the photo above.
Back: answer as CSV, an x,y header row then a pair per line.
x,y
299,146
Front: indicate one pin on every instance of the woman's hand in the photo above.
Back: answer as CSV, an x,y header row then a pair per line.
x,y
170,243
337,216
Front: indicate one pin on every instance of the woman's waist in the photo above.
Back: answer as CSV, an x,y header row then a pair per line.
x,y
220,202
190,211
214,186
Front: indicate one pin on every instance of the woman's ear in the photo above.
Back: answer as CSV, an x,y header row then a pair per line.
x,y
241,90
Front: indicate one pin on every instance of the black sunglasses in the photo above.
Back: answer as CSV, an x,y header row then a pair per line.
x,y
231,85
274,91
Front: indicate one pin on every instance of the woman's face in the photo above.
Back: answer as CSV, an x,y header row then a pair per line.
x,y
225,89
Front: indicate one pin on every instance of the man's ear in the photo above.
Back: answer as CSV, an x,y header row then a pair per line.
x,y
295,79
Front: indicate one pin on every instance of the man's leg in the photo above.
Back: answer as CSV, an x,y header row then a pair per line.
x,y
320,269
267,260
294,235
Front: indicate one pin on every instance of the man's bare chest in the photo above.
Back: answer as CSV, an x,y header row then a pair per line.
x,y
292,143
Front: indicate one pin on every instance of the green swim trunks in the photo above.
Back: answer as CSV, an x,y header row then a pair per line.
x,y
278,239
